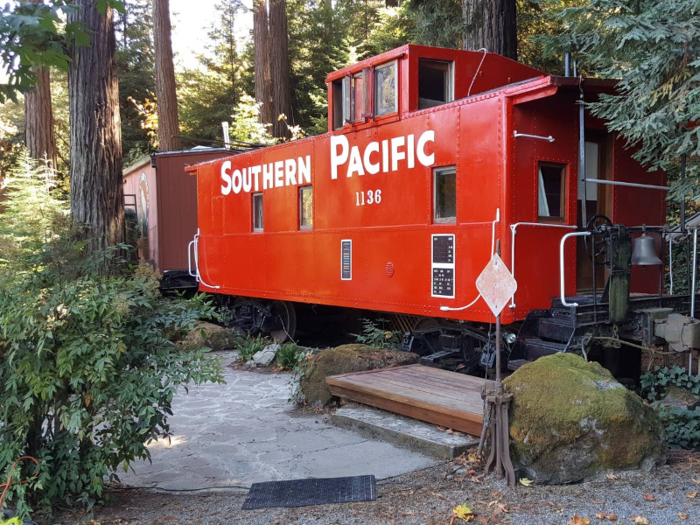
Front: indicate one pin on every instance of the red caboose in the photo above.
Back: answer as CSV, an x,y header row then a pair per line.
x,y
431,157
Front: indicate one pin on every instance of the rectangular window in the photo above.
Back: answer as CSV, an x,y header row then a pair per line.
x,y
551,191
337,104
435,83
385,89
257,212
445,194
357,99
306,207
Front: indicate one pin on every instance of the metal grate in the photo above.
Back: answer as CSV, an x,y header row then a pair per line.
x,y
307,492
403,323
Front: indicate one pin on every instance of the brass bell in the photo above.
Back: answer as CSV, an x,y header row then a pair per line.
x,y
644,253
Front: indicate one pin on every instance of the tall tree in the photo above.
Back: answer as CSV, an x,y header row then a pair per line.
x,y
490,24
279,67
40,137
261,41
96,144
166,95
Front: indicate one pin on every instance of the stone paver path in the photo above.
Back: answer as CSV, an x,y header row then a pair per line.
x,y
246,431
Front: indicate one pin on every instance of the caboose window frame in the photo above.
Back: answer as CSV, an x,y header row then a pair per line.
x,y
544,196
443,69
258,204
307,224
437,205
379,110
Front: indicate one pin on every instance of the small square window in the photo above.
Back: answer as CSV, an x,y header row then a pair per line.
x,y
435,83
551,191
306,207
385,89
445,194
257,212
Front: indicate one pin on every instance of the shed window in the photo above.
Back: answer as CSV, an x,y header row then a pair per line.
x,y
257,212
551,191
385,89
445,194
435,83
306,207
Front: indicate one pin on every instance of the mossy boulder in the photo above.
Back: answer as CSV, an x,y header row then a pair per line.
x,y
344,360
571,421
213,336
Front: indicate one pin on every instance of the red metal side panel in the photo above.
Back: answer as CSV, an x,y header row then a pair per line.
x,y
537,266
391,239
637,206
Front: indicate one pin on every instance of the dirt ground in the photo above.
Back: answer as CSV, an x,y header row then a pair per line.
x,y
670,495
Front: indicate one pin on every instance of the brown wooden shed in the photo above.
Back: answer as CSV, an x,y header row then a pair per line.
x,y
163,197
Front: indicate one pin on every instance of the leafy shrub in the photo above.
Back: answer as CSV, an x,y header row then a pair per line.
x,y
682,425
288,355
374,333
88,368
251,345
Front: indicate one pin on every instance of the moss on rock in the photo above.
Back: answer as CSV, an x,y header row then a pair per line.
x,y
213,336
344,360
570,420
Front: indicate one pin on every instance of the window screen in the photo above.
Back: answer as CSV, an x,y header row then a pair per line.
x,y
257,212
551,191
435,83
385,89
445,194
306,207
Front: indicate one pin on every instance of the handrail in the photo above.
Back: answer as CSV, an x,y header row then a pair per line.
x,y
513,228
628,184
561,265
196,263
189,259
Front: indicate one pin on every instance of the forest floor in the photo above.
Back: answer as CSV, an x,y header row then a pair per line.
x,y
667,496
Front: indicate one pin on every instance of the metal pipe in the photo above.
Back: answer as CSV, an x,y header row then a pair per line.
x,y
513,228
683,197
582,153
562,280
575,68
493,231
196,262
628,184
695,272
541,137
567,64
670,263
498,336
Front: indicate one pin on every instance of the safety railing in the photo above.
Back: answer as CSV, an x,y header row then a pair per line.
x,y
193,247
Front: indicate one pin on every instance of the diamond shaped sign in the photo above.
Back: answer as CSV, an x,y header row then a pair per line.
x,y
496,284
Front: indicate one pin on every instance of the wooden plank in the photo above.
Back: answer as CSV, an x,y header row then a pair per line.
x,y
409,401
375,370
411,378
446,376
464,401
452,421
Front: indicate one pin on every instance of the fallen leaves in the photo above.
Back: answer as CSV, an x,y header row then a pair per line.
x,y
639,520
578,520
612,477
604,516
695,480
649,497
463,512
682,516
526,482
691,495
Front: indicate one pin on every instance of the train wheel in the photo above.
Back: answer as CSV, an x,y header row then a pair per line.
x,y
426,323
288,317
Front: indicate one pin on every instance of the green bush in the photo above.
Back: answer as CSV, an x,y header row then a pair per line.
x,y
251,345
288,355
88,367
682,425
374,333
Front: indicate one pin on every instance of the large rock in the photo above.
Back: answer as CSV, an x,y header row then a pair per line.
x,y
570,421
213,336
343,360
267,355
677,397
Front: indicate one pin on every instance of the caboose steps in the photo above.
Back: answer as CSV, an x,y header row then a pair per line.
x,y
429,394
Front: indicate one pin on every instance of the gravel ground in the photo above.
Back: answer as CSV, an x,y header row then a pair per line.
x,y
663,497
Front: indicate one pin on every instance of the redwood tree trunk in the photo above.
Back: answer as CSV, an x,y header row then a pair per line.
x,y
490,24
279,67
166,96
261,42
38,116
96,187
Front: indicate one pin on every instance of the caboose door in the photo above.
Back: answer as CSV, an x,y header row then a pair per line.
x,y
598,201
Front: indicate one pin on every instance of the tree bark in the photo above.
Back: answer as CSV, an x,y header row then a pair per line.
x,y
96,187
279,68
39,134
490,24
166,96
261,42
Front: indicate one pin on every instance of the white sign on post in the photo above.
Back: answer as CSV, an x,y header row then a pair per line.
x,y
496,284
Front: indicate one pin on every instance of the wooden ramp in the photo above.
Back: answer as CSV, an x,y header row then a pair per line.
x,y
430,394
